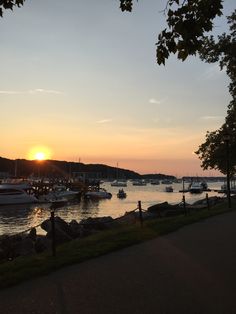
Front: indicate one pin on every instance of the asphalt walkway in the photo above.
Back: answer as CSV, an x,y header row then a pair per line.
x,y
190,271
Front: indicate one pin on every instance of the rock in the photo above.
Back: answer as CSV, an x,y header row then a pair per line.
x,y
164,209
203,202
62,230
46,225
98,223
32,234
77,230
128,218
60,224
60,236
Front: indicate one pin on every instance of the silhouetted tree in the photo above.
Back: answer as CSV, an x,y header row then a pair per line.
x,y
9,4
223,50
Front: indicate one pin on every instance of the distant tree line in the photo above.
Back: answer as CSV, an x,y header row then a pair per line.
x,y
65,169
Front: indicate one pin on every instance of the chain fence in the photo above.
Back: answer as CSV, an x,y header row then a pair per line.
x,y
28,242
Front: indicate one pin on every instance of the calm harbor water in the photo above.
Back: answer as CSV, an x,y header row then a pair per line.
x,y
17,218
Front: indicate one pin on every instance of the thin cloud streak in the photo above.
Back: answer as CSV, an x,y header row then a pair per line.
x,y
104,121
208,118
31,91
45,91
157,101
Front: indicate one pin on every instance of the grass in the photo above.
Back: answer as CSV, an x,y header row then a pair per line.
x,y
24,268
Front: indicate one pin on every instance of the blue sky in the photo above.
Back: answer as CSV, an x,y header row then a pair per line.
x,y
80,80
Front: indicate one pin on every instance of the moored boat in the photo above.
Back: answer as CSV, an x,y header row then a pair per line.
x,y
166,181
196,187
10,195
155,182
59,192
98,194
119,183
139,182
121,194
169,188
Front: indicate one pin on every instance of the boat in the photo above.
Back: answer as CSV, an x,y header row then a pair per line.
x,y
16,184
204,186
224,189
169,188
11,195
195,187
139,182
59,192
98,194
166,181
155,182
121,194
119,183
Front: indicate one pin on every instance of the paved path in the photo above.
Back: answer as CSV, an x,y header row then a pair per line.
x,y
190,271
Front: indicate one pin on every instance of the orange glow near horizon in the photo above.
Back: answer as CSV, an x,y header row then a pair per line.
x,y
39,153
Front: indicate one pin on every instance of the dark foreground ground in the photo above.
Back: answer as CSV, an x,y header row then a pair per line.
x,y
190,271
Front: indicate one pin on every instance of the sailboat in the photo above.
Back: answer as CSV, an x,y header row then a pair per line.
x,y
118,182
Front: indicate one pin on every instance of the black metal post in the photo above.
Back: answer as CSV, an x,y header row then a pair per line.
x,y
140,213
53,234
228,172
207,201
184,205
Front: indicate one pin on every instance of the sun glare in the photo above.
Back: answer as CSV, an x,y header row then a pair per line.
x,y
40,156
39,153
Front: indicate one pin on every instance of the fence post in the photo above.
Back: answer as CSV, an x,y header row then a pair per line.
x,y
207,200
53,234
184,205
140,213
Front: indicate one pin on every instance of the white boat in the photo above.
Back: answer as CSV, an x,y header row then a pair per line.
x,y
169,188
119,183
196,187
98,194
11,195
121,194
16,184
139,182
59,192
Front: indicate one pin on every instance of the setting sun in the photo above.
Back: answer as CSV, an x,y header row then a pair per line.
x,y
40,156
39,153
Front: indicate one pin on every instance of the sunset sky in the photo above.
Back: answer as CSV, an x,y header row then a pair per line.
x,y
79,81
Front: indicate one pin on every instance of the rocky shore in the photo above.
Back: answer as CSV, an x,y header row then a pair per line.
x,y
17,245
